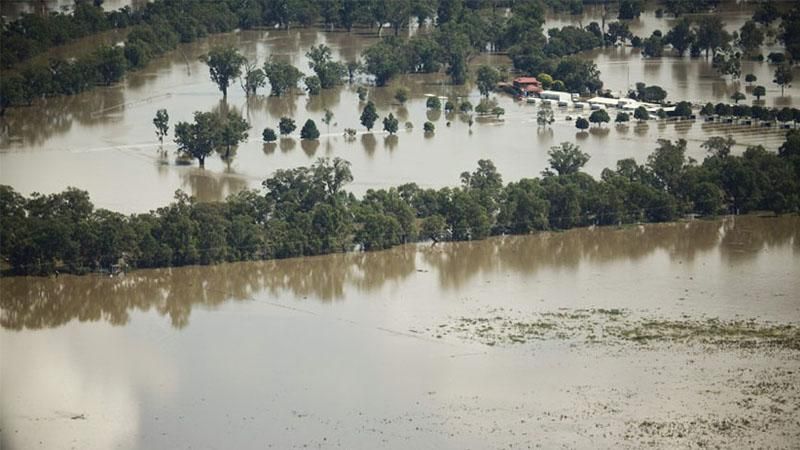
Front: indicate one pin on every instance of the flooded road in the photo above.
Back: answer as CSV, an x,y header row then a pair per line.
x,y
358,349
103,141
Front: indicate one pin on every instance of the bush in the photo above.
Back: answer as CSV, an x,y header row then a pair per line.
x,y
429,127
309,130
433,103
269,135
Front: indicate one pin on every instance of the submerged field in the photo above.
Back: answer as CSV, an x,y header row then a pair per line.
x,y
667,335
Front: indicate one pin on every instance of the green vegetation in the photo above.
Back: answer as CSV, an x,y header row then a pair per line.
x,y
429,127
210,132
390,124
313,85
268,135
224,65
330,73
599,117
309,130
305,211
161,122
401,95
282,76
369,115
286,126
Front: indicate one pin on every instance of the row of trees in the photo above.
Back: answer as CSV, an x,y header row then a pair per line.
x,y
306,210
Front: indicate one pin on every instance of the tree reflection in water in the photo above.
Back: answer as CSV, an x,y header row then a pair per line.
x,y
33,303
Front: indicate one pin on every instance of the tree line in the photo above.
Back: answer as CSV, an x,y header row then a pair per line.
x,y
307,211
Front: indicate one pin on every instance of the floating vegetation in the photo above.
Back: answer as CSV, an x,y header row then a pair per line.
x,y
611,326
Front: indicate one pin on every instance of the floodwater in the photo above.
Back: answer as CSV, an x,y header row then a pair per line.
x,y
345,350
103,141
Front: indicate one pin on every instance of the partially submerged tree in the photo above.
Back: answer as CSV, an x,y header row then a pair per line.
x,y
282,76
286,126
369,115
309,130
599,117
224,65
390,124
487,78
161,122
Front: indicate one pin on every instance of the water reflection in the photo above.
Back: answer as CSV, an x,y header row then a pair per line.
x,y
208,186
309,146
34,303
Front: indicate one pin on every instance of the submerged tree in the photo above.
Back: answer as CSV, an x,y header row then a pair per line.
x,y
161,122
282,76
390,124
369,115
199,139
224,65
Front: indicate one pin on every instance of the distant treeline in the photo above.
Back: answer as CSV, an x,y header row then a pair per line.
x,y
462,29
306,211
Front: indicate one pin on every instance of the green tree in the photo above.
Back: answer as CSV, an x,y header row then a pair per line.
x,y
465,106
759,91
401,95
327,118
362,93
567,158
390,124
313,85
737,96
581,123
487,79
282,76
681,36
110,63
750,37
750,78
708,109
224,65
199,139
161,122
254,78
641,114
385,59
329,72
783,76
232,130
309,130
429,127
498,111
683,109
269,135
599,117
369,115
286,126
630,9
433,102
545,117
622,117
766,13
667,164
545,79
711,34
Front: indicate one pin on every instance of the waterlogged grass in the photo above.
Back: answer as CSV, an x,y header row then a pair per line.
x,y
616,326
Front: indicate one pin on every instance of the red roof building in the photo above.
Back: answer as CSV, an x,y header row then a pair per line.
x,y
528,85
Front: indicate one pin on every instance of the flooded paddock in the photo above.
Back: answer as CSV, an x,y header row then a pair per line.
x,y
103,141
363,349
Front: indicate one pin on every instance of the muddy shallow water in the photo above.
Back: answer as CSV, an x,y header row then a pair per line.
x,y
360,350
103,141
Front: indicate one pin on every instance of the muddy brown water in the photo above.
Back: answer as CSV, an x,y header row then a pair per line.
x,y
339,350
103,141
